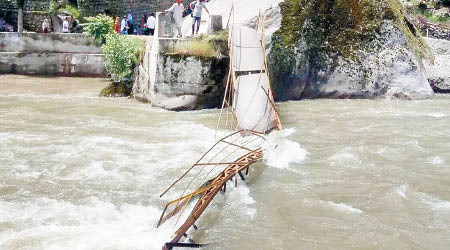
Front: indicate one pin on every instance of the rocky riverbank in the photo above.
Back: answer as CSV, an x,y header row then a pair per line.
x,y
346,49
438,73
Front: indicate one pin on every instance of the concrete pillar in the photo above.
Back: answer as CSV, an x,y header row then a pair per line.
x,y
20,21
215,24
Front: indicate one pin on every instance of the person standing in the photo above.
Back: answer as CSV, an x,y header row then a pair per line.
x,y
124,26
197,8
177,9
2,25
130,23
46,26
151,23
65,26
143,27
117,25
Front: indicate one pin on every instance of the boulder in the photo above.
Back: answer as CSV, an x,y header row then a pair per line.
x,y
347,49
438,73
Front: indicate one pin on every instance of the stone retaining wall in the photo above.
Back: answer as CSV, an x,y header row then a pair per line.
x,y
50,54
49,43
61,64
178,82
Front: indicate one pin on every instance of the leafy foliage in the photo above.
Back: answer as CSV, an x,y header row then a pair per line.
x,y
53,7
123,53
73,11
99,26
434,17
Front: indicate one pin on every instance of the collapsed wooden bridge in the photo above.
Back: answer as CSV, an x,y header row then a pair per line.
x,y
249,102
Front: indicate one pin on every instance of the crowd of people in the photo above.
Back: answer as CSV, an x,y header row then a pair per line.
x,y
66,27
127,24
194,9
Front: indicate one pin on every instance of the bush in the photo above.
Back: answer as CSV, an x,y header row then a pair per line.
x,y
123,53
98,27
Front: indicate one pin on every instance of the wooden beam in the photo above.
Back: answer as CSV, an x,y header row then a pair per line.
x,y
170,245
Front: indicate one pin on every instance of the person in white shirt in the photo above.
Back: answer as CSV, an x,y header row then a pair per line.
x,y
65,26
46,26
177,9
151,22
124,26
197,8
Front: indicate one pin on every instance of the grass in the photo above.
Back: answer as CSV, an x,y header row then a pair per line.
x,y
434,18
206,46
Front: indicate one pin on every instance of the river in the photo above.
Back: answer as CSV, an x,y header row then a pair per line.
x,y
81,172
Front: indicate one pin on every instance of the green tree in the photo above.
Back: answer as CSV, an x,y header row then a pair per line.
x,y
98,27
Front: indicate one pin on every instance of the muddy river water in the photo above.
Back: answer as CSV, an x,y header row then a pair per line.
x,y
81,172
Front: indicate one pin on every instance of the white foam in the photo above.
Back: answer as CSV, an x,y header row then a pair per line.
x,y
437,115
345,208
436,204
441,205
94,225
401,190
436,160
344,157
282,153
240,200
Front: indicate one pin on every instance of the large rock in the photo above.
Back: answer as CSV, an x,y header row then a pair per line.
x,y
347,48
439,71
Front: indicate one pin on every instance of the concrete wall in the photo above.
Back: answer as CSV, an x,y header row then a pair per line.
x,y
62,64
50,54
49,43
177,82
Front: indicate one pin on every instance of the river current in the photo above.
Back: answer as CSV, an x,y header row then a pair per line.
x,y
81,172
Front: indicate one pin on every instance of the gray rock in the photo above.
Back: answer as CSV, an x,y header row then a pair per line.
x,y
438,73
331,54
